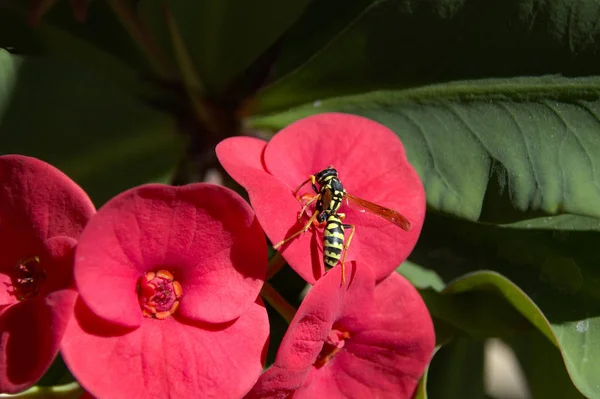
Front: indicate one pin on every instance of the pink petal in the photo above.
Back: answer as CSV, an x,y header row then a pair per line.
x,y
272,201
277,383
26,347
7,296
37,201
372,164
322,306
308,331
56,260
242,158
390,344
42,212
206,235
166,358
31,330
349,142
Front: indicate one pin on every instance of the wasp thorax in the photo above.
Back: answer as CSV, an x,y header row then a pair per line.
x,y
27,278
159,294
335,341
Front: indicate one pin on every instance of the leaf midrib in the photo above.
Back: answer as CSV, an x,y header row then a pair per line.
x,y
519,89
522,88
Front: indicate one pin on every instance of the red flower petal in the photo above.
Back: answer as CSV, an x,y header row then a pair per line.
x,y
390,347
7,296
390,341
166,358
31,330
307,332
270,199
372,164
244,158
207,236
37,201
42,212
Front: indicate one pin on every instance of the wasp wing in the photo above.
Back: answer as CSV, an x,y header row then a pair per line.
x,y
388,214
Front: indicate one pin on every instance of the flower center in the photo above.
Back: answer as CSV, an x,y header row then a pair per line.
x,y
334,343
28,278
159,294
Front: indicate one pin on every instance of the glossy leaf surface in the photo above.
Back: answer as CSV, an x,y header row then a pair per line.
x,y
223,37
103,138
341,47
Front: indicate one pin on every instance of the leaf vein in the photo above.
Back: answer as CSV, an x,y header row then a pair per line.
x,y
576,136
513,118
435,167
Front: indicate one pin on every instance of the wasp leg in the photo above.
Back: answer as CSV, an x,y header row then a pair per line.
x,y
346,245
313,199
313,181
303,230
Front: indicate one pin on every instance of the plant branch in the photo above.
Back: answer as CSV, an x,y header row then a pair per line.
x,y
192,82
273,298
276,263
141,36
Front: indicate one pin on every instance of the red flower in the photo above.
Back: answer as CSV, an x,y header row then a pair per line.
x,y
168,279
371,163
42,212
359,340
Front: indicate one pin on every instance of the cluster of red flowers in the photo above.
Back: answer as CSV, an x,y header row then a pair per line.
x,y
156,295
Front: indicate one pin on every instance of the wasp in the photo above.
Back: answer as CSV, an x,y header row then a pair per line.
x,y
330,194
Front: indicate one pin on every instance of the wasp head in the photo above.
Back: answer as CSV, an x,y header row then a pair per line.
x,y
325,173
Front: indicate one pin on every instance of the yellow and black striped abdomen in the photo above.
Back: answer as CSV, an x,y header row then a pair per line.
x,y
333,240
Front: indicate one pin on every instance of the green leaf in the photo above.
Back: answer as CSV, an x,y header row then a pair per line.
x,y
421,392
101,43
342,47
456,371
543,367
497,150
487,281
420,277
99,135
551,277
559,222
478,312
66,391
223,36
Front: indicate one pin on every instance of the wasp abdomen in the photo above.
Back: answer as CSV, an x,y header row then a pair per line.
x,y
333,242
